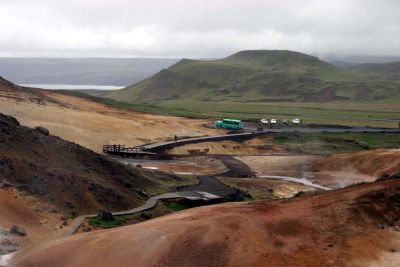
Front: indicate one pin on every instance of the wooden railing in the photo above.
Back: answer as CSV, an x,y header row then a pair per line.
x,y
121,149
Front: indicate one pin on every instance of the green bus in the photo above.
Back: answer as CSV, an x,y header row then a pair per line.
x,y
229,124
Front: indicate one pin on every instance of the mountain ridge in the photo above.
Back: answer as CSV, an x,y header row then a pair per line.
x,y
253,75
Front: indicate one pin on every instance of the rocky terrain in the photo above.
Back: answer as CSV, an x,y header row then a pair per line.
x,y
46,181
67,175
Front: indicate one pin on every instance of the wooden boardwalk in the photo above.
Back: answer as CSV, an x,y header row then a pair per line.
x,y
154,148
149,204
125,151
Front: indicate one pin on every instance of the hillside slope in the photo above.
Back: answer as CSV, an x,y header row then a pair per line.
x,y
382,71
91,124
350,227
257,75
68,176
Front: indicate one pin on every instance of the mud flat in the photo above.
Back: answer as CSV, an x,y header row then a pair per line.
x,y
198,165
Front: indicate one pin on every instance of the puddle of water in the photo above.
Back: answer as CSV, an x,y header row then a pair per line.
x,y
303,181
150,168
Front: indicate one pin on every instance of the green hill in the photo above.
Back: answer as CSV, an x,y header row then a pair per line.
x,y
258,75
382,71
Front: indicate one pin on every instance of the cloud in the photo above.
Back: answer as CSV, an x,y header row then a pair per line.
x,y
197,28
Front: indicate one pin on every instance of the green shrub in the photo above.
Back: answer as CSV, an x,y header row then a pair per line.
x,y
395,198
117,221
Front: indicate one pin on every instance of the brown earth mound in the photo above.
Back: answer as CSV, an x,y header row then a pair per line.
x,y
349,227
69,176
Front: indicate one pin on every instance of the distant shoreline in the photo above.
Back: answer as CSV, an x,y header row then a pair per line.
x,y
72,86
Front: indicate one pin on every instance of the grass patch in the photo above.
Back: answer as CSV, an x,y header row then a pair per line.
x,y
395,198
329,143
117,221
340,113
177,206
334,112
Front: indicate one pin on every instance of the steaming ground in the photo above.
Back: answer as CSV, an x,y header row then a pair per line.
x,y
335,171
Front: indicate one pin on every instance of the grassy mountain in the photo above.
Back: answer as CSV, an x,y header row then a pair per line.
x,y
384,71
257,75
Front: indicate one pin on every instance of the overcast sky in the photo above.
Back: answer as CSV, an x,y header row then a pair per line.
x,y
196,28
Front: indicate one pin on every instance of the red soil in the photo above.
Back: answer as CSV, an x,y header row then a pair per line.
x,y
349,227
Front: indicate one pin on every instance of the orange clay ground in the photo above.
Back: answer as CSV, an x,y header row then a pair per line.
x,y
351,227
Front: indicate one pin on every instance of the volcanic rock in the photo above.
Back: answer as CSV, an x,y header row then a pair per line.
x,y
17,230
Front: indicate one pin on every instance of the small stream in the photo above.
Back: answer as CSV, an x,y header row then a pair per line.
x,y
303,181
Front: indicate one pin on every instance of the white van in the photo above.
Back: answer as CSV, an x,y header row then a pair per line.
x,y
296,121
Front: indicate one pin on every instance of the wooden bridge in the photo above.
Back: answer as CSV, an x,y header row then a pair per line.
x,y
125,151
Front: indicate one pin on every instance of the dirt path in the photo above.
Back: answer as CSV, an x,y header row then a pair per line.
x,y
209,184
236,167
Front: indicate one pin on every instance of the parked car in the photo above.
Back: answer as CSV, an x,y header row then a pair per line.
x,y
285,121
296,121
264,121
274,121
